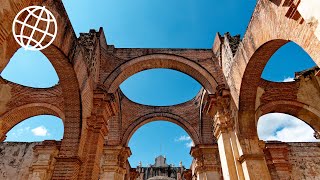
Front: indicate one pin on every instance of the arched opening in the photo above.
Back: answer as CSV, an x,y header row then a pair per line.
x,y
125,70
37,128
18,151
285,62
160,87
156,141
30,68
285,128
251,78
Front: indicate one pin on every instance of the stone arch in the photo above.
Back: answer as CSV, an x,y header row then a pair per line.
x,y
251,78
17,115
306,113
124,71
270,28
156,117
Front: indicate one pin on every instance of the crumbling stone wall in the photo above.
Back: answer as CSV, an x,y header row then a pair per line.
x,y
15,160
293,160
305,160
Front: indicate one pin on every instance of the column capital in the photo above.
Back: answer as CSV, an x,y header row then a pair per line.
x,y
221,111
44,159
206,158
115,158
104,101
277,153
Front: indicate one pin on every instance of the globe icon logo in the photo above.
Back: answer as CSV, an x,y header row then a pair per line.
x,y
34,28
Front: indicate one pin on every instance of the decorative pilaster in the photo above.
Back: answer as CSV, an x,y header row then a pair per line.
x,y
252,158
224,131
97,129
114,165
277,158
44,160
207,165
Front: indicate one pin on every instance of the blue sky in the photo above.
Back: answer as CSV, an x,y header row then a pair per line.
x,y
158,24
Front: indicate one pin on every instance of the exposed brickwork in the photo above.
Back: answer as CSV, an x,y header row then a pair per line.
x,y
293,160
99,120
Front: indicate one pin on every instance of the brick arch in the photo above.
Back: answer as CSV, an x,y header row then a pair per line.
x,y
59,53
124,71
306,113
17,115
251,78
270,28
158,117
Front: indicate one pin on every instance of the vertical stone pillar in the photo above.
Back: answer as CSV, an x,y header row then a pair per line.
x,y
44,160
97,129
277,156
114,165
252,158
222,128
206,161
224,131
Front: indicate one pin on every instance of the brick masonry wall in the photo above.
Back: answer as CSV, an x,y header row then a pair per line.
x,y
305,160
293,160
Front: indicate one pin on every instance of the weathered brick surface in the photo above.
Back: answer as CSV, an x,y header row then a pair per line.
x,y
96,113
293,160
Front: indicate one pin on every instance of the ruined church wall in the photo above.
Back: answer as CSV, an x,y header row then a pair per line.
x,y
305,160
295,161
15,160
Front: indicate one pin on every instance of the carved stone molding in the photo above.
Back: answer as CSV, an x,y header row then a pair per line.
x,y
115,159
44,160
206,158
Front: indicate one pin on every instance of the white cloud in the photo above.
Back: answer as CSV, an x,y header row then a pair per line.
x,y
183,138
40,131
288,79
189,143
283,127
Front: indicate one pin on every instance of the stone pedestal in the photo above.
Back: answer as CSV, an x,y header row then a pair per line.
x,y
44,160
206,162
114,165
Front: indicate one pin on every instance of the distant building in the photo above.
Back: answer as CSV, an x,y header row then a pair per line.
x,y
161,171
